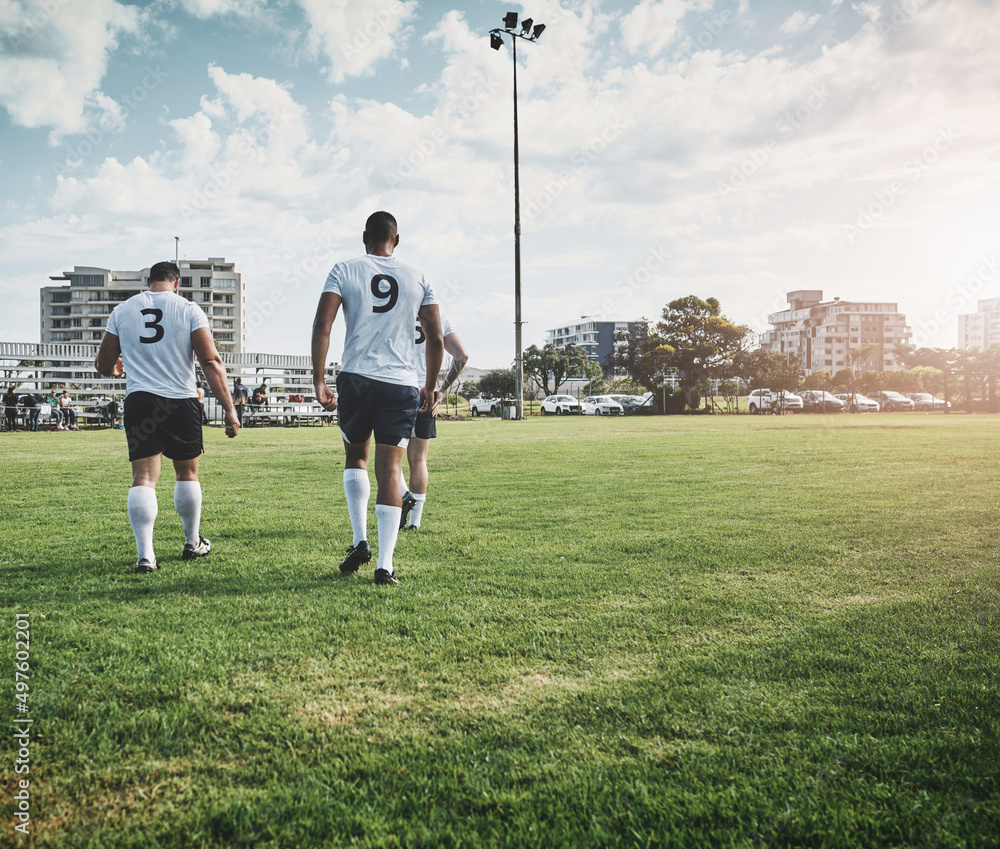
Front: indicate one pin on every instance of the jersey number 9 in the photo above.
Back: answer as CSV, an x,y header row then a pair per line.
x,y
390,296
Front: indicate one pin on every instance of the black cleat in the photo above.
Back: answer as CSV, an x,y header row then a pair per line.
x,y
409,502
145,566
356,555
192,552
385,577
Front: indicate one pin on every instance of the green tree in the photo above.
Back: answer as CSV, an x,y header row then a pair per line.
x,y
772,370
551,367
468,389
818,380
499,383
944,360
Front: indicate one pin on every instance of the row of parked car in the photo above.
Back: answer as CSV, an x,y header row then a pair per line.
x,y
819,401
567,405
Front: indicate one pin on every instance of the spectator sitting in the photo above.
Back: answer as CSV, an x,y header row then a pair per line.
x,y
69,414
54,412
259,398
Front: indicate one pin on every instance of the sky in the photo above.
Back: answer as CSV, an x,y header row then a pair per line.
x,y
718,148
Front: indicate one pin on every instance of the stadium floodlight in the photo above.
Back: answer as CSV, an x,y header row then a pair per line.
x,y
496,39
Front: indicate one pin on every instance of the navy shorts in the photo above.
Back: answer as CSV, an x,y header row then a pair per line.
x,y
156,425
425,428
366,406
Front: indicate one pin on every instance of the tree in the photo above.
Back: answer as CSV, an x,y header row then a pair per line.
x,y
704,343
640,355
557,364
595,380
943,359
773,370
818,380
499,383
468,389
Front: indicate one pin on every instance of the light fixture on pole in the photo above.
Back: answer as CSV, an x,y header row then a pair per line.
x,y
496,40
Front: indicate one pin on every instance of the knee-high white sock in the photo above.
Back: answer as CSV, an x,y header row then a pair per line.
x,y
418,508
388,531
357,489
142,509
187,502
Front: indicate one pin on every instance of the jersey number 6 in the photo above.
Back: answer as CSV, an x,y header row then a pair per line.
x,y
391,296
154,325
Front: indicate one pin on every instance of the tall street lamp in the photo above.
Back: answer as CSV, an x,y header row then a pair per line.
x,y
529,32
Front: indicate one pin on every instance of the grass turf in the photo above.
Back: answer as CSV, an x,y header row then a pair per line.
x,y
683,631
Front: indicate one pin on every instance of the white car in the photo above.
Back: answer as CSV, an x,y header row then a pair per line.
x,y
561,405
485,406
601,405
766,401
854,402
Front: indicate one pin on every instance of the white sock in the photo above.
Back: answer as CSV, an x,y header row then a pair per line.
x,y
142,510
418,508
187,502
388,530
402,481
357,489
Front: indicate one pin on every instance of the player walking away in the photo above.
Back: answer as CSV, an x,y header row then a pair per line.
x,y
376,390
415,495
157,334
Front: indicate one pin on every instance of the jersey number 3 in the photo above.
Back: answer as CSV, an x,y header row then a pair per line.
x,y
154,317
390,296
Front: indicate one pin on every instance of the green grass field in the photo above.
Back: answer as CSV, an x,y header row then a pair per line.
x,y
680,631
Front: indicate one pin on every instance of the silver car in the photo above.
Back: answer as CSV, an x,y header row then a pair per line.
x,y
855,402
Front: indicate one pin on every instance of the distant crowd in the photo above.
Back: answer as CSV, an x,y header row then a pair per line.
x,y
29,411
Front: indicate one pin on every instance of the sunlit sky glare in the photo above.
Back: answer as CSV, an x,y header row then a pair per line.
x,y
720,148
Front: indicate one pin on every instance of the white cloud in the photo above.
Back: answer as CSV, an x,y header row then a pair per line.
x,y
798,22
653,24
58,54
356,35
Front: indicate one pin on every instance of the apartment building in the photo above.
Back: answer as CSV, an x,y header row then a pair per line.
x,y
825,333
78,310
595,334
981,329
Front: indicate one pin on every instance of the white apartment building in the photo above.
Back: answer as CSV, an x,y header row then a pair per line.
x,y
595,334
78,310
824,333
981,329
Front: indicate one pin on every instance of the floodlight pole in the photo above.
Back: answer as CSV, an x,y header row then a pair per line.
x,y
495,40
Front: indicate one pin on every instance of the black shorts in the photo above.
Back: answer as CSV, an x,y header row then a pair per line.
x,y
168,426
425,428
365,406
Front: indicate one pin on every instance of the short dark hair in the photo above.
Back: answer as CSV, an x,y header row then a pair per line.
x,y
381,228
164,271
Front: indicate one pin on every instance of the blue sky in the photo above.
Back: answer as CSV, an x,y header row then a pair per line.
x,y
737,149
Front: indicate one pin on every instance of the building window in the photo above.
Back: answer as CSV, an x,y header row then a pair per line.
x,y
185,282
225,283
206,282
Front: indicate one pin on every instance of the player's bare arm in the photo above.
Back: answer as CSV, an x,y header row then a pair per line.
x,y
459,358
430,323
326,314
109,357
215,376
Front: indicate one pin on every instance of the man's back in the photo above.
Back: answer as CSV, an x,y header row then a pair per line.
x,y
381,298
154,332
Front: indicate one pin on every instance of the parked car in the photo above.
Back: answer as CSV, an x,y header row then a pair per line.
x,y
635,403
820,401
766,401
485,406
857,403
926,401
891,401
601,405
561,405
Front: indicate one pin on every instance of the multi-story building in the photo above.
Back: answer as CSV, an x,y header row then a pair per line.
x,y
78,310
595,334
825,333
980,329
